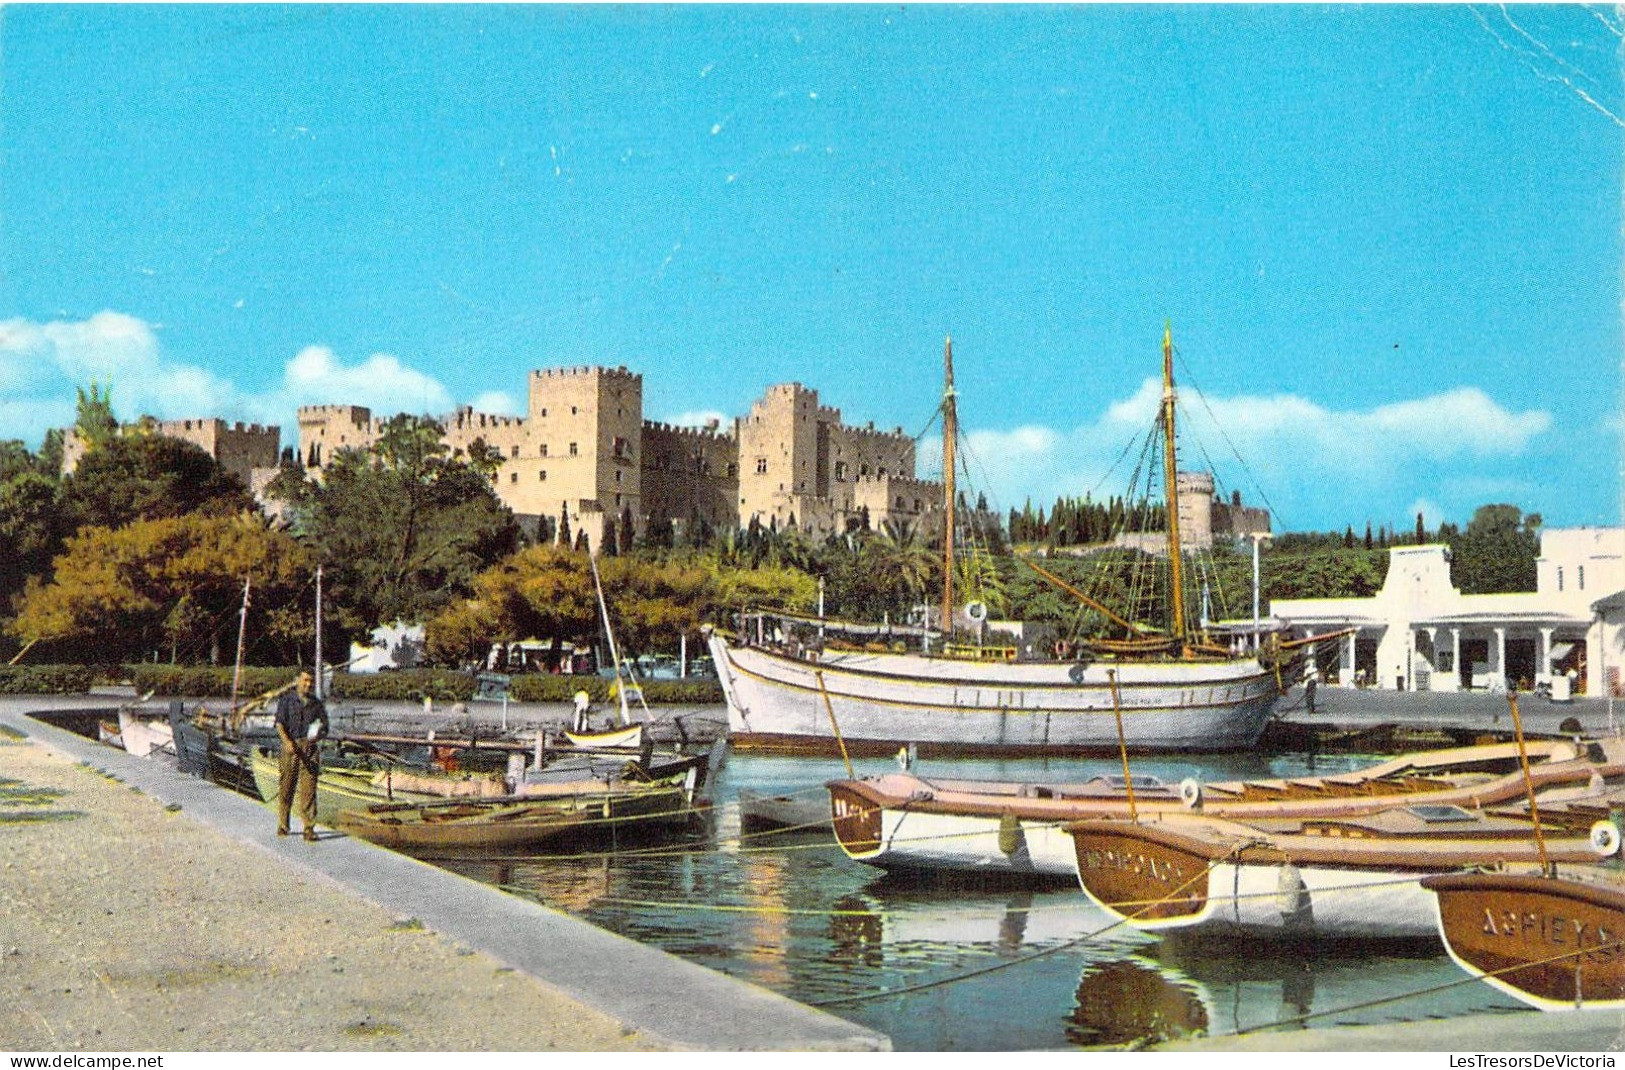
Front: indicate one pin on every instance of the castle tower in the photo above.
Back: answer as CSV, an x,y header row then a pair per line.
x,y
778,456
1195,494
326,429
585,429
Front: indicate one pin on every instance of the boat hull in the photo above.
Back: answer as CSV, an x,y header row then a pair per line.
x,y
520,823
879,702
337,790
1253,884
902,839
1553,944
1160,886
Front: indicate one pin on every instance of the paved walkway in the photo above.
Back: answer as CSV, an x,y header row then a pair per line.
x,y
206,862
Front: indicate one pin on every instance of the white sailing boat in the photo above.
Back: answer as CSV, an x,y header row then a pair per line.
x,y
1170,692
628,735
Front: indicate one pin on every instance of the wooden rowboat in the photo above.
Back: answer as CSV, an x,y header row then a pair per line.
x,y
339,788
522,821
1556,943
1343,877
906,821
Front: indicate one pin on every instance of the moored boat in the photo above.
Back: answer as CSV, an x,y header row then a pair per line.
x,y
1345,877
588,809
340,788
1155,690
1554,942
903,820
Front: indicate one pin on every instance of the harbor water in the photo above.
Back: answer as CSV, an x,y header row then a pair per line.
x,y
961,963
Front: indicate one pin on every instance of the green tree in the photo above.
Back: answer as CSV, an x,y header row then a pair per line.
x,y
1497,551
147,477
94,419
173,583
402,528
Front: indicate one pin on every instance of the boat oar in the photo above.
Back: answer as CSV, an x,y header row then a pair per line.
x,y
830,709
1122,744
1529,786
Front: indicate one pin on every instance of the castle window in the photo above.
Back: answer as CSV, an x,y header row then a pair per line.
x,y
573,451
840,471
618,447
733,471
881,473
1560,577
515,452
916,505
761,466
514,478
541,477
572,410
617,475
544,449
1580,576
544,413
899,502
863,472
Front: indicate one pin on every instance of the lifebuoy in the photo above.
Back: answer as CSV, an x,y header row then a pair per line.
x,y
1190,793
1605,839
976,611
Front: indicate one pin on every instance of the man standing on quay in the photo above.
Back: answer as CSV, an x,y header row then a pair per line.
x,y
301,721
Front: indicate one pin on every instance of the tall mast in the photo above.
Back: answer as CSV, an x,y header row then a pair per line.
x,y
242,627
950,433
609,634
1170,468
321,677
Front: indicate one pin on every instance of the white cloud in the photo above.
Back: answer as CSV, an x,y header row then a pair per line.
x,y
1432,515
1317,465
41,364
498,402
700,419
316,376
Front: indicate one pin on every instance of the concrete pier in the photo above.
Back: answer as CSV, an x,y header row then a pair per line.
x,y
607,992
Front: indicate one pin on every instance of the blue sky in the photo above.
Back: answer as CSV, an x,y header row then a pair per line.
x,y
1388,239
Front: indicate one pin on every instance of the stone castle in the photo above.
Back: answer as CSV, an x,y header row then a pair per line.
x,y
583,451
247,451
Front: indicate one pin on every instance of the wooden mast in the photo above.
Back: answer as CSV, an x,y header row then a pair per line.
x,y
950,432
1170,467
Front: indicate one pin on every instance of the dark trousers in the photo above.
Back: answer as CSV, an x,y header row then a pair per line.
x,y
296,781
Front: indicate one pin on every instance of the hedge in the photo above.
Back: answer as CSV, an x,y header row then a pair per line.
x,y
547,687
46,679
443,685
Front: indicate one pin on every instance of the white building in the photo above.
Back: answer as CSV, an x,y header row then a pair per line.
x,y
1419,633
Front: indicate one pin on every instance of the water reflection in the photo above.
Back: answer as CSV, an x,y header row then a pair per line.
x,y
955,962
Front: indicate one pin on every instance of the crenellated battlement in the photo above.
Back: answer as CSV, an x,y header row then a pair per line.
x,y
218,426
465,418
697,434
356,414
588,371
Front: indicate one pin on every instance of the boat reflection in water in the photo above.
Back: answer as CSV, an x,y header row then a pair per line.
x,y
952,962
1182,986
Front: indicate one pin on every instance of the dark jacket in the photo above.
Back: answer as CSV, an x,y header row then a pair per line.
x,y
294,715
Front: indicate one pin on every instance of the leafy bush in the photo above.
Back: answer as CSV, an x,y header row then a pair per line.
x,y
46,679
207,681
405,685
442,685
547,687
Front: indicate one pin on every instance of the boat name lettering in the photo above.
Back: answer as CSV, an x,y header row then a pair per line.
x,y
1538,926
1160,869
